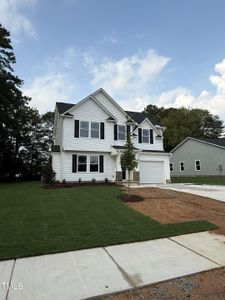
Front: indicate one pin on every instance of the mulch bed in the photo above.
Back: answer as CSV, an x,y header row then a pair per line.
x,y
75,184
132,198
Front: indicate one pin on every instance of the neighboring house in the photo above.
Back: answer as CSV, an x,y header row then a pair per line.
x,y
198,157
89,138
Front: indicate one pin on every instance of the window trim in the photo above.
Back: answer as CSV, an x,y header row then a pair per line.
x,y
92,164
85,137
171,164
92,137
82,164
196,165
145,136
118,133
181,162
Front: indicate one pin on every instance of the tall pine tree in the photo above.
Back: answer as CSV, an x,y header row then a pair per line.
x,y
13,110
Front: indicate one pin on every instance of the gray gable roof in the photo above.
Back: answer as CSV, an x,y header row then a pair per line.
x,y
62,106
139,116
218,141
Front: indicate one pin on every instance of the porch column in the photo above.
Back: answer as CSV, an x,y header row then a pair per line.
x,y
119,173
136,173
137,158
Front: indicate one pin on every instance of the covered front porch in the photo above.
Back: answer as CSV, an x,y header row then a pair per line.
x,y
122,176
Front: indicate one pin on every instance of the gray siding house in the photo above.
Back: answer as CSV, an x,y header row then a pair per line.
x,y
198,157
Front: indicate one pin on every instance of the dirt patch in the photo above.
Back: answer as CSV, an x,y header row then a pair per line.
x,y
132,198
167,206
208,285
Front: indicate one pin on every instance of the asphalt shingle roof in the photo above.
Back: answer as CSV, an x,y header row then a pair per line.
x,y
139,116
218,141
62,106
55,148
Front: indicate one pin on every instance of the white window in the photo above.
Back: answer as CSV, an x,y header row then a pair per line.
x,y
182,166
121,133
84,129
95,130
171,167
94,163
197,165
145,138
82,163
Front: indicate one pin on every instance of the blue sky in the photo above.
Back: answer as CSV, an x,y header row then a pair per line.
x,y
168,53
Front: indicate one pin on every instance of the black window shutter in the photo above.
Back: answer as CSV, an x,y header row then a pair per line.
x,y
74,163
139,135
101,158
115,132
102,130
151,136
128,130
76,128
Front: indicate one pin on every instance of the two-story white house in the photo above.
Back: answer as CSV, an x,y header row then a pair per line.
x,y
89,138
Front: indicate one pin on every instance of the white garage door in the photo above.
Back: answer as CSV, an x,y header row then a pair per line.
x,y
151,171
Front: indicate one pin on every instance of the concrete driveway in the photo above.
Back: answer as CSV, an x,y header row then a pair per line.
x,y
216,192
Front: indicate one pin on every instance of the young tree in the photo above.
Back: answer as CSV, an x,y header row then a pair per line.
x,y
128,159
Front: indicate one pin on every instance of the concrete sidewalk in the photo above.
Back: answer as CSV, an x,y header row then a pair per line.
x,y
88,273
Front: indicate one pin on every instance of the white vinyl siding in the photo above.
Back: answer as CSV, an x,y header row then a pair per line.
x,y
109,167
158,143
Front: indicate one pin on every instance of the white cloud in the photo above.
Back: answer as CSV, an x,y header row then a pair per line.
x,y
214,102
55,84
46,90
128,78
14,20
176,98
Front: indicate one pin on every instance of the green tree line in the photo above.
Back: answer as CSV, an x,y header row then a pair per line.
x,y
183,122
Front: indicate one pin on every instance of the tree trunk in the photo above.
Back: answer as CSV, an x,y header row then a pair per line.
x,y
129,184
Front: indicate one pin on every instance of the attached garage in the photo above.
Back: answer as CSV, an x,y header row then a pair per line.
x,y
152,172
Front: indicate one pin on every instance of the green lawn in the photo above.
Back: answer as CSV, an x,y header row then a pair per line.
x,y
37,221
216,180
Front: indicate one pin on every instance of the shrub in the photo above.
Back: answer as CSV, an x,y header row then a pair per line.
x,y
64,181
48,174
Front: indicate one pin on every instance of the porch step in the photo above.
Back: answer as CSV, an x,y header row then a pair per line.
x,y
132,183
